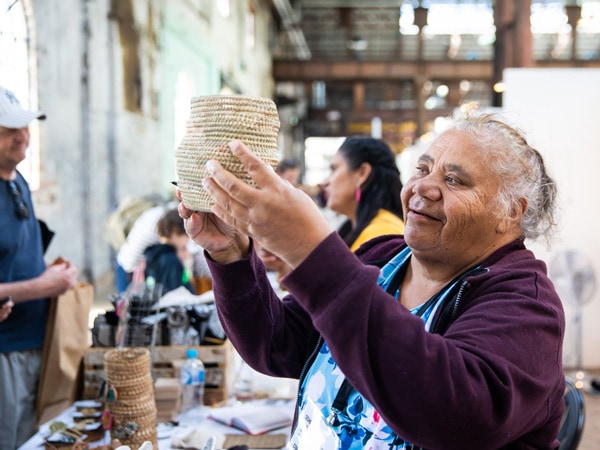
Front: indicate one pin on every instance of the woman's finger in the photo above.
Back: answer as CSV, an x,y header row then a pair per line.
x,y
192,224
184,211
226,195
261,173
257,169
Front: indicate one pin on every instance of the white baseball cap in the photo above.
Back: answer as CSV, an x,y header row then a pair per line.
x,y
12,114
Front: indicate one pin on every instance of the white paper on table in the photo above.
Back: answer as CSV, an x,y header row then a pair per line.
x,y
182,297
254,418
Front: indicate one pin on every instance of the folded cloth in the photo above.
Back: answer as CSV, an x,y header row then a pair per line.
x,y
192,437
146,445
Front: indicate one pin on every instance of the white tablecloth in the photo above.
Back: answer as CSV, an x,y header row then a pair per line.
x,y
195,419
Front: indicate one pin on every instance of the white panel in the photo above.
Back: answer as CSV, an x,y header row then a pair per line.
x,y
559,109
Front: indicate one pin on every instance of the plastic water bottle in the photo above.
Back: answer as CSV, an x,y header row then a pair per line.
x,y
192,381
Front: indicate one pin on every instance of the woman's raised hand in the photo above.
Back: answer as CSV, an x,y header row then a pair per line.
x,y
281,217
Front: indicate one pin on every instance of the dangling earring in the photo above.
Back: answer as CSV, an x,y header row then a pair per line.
x,y
358,194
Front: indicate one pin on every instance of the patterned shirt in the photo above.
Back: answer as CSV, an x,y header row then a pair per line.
x,y
359,425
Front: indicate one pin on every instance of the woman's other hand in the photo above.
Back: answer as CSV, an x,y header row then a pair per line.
x,y
223,243
272,262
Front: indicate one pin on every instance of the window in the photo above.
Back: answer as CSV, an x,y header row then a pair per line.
x,y
250,28
18,74
184,90
224,8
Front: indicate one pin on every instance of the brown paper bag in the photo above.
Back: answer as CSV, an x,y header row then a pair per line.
x,y
65,343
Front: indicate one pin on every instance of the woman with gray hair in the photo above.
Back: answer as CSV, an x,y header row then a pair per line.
x,y
449,337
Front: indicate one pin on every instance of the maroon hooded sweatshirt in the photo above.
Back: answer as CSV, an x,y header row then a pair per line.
x,y
493,380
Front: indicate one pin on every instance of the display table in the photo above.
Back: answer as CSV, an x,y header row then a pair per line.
x,y
195,421
219,361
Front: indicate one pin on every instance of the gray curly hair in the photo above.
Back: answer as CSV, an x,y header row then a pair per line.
x,y
521,169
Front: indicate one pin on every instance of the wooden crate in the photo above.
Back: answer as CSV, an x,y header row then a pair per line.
x,y
167,360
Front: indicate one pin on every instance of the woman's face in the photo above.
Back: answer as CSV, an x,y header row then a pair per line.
x,y
340,187
450,204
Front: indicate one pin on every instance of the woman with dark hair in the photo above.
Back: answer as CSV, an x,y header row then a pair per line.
x,y
364,185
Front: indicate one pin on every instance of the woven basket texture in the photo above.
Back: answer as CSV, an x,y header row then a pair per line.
x,y
128,370
214,121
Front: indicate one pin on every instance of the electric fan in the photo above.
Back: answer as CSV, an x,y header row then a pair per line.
x,y
573,276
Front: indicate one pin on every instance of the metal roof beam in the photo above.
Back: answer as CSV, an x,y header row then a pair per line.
x,y
362,70
290,20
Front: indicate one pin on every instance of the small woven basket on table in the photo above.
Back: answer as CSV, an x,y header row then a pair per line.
x,y
214,121
134,413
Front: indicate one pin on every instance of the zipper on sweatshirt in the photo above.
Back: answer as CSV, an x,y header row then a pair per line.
x,y
450,310
455,307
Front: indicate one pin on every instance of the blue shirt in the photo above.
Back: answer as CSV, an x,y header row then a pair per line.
x,y
21,258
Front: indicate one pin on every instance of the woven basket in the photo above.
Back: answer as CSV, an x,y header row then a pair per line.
x,y
134,412
214,121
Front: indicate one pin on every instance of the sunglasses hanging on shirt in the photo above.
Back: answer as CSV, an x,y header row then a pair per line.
x,y
22,209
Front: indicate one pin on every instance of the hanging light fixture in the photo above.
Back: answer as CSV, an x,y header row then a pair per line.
x,y
420,18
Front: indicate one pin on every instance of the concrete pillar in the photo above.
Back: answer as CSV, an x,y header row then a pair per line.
x,y
522,37
454,95
573,16
514,41
419,82
358,93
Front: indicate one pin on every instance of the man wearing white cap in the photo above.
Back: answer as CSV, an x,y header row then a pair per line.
x,y
25,280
